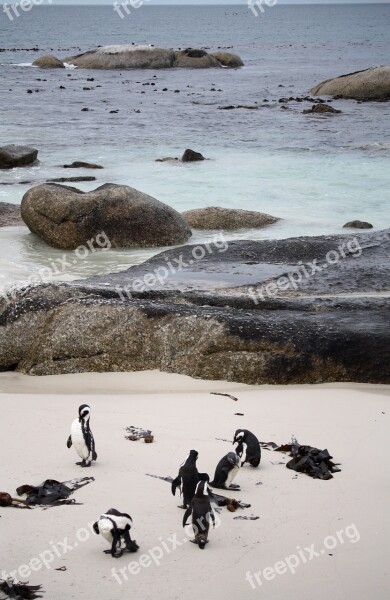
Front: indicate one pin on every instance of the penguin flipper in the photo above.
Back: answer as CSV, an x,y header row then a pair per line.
x,y
212,517
69,441
175,484
186,515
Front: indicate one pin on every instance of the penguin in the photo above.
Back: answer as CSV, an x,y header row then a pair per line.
x,y
82,438
249,443
202,513
188,478
225,472
115,527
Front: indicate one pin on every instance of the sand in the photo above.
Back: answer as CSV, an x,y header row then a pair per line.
x,y
344,520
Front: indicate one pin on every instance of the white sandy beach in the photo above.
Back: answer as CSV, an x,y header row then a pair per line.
x,y
296,512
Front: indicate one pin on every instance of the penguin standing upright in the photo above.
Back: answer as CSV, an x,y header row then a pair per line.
x,y
115,526
81,437
247,442
201,510
225,472
187,479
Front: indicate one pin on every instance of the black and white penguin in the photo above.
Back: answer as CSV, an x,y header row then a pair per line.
x,y
248,447
202,513
188,478
115,527
81,437
225,472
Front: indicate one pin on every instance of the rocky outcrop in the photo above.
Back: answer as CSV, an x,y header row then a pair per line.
x,y
124,57
358,225
65,217
195,59
215,217
321,109
17,156
48,62
79,164
149,57
205,311
10,215
232,61
191,156
370,84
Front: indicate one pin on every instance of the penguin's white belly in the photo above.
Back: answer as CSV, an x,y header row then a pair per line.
x,y
231,476
105,527
78,440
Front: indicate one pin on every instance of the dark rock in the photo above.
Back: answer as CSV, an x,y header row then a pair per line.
x,y
191,156
17,156
79,164
71,179
321,109
358,225
10,215
65,217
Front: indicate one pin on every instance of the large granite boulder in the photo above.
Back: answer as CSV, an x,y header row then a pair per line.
x,y
370,84
65,217
215,217
48,62
124,57
232,61
17,156
192,58
247,311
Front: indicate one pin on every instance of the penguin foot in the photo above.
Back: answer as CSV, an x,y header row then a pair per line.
x,y
81,463
133,547
182,506
234,486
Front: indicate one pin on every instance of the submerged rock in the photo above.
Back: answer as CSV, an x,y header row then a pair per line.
x,y
79,164
217,311
358,225
191,156
17,156
48,62
215,217
370,84
321,109
65,217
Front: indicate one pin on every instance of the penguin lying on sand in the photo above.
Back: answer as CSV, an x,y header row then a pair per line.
x,y
226,470
115,527
248,443
188,478
201,511
81,437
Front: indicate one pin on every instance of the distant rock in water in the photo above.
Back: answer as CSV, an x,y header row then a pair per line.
x,y
150,57
10,215
370,84
215,217
71,179
17,156
191,156
358,225
79,164
65,217
48,62
320,109
232,61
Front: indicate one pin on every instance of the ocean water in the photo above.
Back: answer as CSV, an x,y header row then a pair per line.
x,y
314,172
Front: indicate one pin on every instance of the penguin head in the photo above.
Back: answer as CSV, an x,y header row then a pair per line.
x,y
202,540
238,436
191,458
202,489
84,411
233,458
